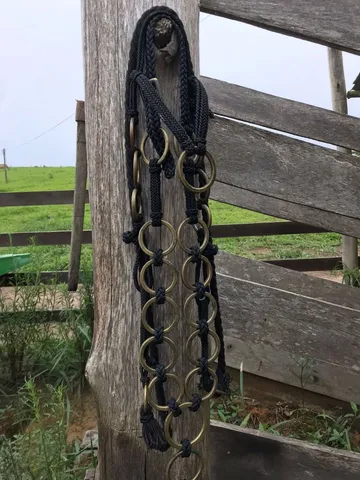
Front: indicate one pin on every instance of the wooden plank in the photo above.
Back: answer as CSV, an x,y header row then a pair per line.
x,y
273,316
239,197
308,184
327,22
249,454
261,229
308,264
20,199
40,238
281,114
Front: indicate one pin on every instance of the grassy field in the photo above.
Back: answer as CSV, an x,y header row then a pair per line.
x,y
58,217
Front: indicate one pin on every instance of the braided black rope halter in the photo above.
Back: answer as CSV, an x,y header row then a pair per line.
x,y
190,132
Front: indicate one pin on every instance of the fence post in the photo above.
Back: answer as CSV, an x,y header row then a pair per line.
x,y
79,198
112,369
5,166
338,93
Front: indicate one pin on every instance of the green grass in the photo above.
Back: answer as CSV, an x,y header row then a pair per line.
x,y
58,217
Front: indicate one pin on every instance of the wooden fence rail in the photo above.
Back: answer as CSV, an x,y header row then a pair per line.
x,y
327,22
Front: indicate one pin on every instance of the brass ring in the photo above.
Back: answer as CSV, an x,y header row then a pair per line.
x,y
132,132
146,307
146,396
167,426
213,356
165,152
136,169
213,303
208,211
206,235
210,394
143,347
191,188
136,206
165,408
178,455
146,287
142,233
208,279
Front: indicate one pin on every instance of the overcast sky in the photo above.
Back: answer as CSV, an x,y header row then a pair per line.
x,y
41,72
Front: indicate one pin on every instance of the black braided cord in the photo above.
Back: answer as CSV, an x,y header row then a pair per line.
x,y
190,131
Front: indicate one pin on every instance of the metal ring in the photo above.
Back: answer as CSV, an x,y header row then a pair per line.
x,y
167,426
146,307
142,233
206,235
165,152
146,396
136,169
146,287
132,132
178,455
213,356
213,303
208,211
191,188
210,394
143,347
208,279
136,205
165,408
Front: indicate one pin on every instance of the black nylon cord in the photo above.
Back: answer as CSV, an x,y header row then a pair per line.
x,y
190,132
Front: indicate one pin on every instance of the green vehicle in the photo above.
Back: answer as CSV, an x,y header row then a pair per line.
x,y
10,263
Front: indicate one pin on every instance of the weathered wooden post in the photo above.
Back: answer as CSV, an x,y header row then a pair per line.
x,y
338,93
113,365
79,198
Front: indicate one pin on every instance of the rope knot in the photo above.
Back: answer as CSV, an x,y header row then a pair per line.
x,y
203,327
160,373
174,407
159,335
196,402
186,448
158,258
200,291
195,254
210,250
203,366
160,295
200,146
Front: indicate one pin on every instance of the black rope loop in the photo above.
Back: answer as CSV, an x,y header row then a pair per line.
x,y
203,365
185,448
160,373
158,258
195,254
200,291
174,407
195,403
160,295
203,327
159,335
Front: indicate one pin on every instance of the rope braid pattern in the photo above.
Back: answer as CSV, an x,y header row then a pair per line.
x,y
190,132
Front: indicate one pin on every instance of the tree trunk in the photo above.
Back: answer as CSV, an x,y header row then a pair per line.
x,y
338,94
112,369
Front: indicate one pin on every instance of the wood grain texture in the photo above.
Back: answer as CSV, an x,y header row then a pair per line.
x,y
273,316
327,22
294,179
113,365
80,197
281,114
339,102
249,454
